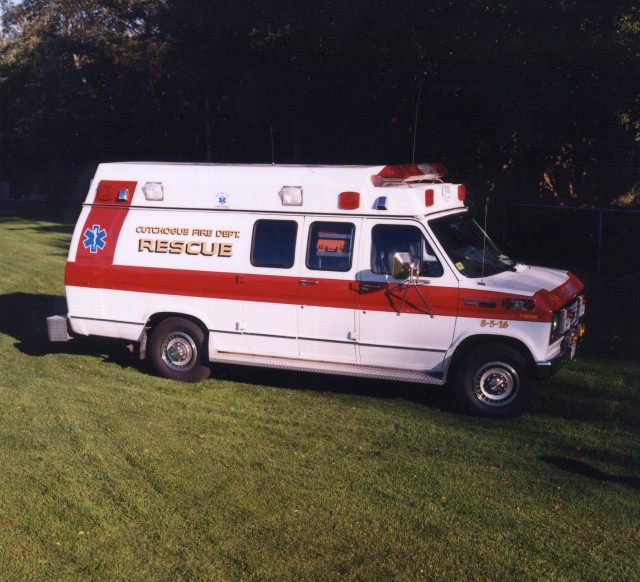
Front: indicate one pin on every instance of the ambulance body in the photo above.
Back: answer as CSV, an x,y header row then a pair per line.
x,y
367,271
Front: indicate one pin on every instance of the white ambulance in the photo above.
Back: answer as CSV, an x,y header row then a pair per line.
x,y
377,272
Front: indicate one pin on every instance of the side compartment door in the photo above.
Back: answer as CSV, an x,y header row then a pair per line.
x,y
404,323
327,289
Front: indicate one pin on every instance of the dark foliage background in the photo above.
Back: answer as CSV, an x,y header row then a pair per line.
x,y
524,101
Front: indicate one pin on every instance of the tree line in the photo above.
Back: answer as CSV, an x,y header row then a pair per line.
x,y
523,101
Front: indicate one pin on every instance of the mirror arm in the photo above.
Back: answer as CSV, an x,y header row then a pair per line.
x,y
414,284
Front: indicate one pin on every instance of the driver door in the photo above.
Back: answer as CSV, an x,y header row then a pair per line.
x,y
404,323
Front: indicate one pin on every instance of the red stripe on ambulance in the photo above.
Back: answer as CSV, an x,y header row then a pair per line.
x,y
336,293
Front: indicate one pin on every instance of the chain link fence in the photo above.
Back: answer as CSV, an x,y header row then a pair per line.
x,y
601,246
602,241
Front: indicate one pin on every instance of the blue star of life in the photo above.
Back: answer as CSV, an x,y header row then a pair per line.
x,y
94,238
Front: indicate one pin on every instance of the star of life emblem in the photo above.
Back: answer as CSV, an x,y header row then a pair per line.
x,y
94,238
222,200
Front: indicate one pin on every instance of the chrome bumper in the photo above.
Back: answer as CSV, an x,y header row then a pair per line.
x,y
548,368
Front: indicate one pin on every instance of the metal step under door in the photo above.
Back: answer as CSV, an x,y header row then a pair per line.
x,y
374,372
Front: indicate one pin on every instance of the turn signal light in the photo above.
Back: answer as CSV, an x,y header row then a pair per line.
x,y
516,304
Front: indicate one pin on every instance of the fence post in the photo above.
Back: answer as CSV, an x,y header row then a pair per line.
x,y
601,214
504,224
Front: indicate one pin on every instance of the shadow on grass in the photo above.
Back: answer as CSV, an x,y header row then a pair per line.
x,y
585,470
569,403
439,397
23,317
54,226
592,389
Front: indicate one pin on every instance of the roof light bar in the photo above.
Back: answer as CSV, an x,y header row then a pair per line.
x,y
404,173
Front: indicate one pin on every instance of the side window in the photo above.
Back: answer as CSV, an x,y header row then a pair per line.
x,y
274,243
389,239
330,246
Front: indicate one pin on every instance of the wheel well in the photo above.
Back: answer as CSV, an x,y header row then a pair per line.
x,y
470,343
157,318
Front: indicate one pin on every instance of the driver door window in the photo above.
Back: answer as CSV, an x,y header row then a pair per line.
x,y
389,239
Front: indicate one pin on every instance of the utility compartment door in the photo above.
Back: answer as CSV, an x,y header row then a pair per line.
x,y
404,323
327,293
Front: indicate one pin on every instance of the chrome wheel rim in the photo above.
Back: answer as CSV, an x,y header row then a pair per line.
x,y
496,384
179,352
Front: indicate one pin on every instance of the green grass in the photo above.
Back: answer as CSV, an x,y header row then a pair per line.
x,y
109,473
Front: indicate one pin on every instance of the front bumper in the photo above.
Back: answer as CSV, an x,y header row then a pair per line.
x,y
548,368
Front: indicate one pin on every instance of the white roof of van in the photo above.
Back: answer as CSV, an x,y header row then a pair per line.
x,y
400,190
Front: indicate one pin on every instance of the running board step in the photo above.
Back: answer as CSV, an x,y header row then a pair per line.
x,y
374,372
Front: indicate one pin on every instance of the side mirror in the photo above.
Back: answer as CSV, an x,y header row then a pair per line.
x,y
403,266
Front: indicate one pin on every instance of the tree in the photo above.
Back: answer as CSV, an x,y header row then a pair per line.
x,y
72,76
523,100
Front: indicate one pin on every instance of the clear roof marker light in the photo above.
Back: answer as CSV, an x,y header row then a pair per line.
x,y
153,191
291,195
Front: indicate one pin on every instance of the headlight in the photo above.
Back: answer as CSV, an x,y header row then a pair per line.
x,y
518,304
556,327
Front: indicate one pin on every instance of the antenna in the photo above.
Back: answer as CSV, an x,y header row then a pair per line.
x,y
415,123
484,239
273,150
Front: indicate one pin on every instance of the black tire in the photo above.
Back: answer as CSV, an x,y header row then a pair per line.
x,y
176,350
494,380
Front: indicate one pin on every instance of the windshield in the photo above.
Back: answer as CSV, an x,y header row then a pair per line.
x,y
469,248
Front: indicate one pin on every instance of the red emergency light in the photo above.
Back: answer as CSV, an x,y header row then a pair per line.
x,y
349,200
429,197
398,174
115,191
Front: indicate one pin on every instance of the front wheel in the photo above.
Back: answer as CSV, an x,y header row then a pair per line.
x,y
176,350
494,380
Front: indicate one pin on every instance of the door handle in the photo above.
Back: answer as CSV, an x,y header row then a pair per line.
x,y
308,282
371,286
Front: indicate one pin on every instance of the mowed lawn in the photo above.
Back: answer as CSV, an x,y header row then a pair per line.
x,y
110,473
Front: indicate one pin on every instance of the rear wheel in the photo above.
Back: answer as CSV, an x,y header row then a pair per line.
x,y
494,380
176,349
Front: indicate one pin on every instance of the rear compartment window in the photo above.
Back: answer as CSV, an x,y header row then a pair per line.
x,y
389,239
330,246
274,243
